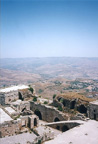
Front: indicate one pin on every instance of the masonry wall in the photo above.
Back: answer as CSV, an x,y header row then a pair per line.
x,y
32,124
8,97
21,106
11,96
48,113
14,127
60,126
76,104
2,98
64,103
24,121
93,111
25,93
10,128
24,105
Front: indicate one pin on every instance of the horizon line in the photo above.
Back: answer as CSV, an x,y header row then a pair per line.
x,y
50,57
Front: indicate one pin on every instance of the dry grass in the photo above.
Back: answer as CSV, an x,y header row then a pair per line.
x,y
71,95
24,90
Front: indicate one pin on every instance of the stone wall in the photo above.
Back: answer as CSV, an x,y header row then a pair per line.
x,y
10,128
47,113
2,98
20,105
74,103
93,111
71,104
63,126
29,121
24,93
24,121
8,97
11,96
43,138
13,127
56,103
33,121
24,105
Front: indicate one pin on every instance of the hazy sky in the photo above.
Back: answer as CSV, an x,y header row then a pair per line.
x,y
44,28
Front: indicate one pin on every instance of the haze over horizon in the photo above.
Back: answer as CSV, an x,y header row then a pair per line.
x,y
49,57
49,28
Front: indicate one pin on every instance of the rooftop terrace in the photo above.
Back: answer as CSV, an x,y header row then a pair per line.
x,y
94,102
13,88
86,133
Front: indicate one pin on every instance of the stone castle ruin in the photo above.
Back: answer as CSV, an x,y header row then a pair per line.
x,y
14,93
15,113
93,110
74,103
22,111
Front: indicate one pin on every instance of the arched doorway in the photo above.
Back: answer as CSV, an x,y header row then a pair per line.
x,y
0,135
35,122
82,109
58,127
56,119
38,113
72,105
59,99
64,128
64,103
20,96
94,116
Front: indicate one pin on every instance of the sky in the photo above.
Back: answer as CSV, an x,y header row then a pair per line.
x,y
49,28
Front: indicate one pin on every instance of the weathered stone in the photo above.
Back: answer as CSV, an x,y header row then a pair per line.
x,y
47,113
14,93
10,128
93,110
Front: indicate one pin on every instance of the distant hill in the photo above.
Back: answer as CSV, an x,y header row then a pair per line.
x,y
67,67
15,77
54,75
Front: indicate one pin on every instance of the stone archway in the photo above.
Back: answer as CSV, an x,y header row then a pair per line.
x,y
64,103
58,127
64,128
0,135
59,99
72,105
82,109
20,96
38,113
94,116
56,119
35,122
